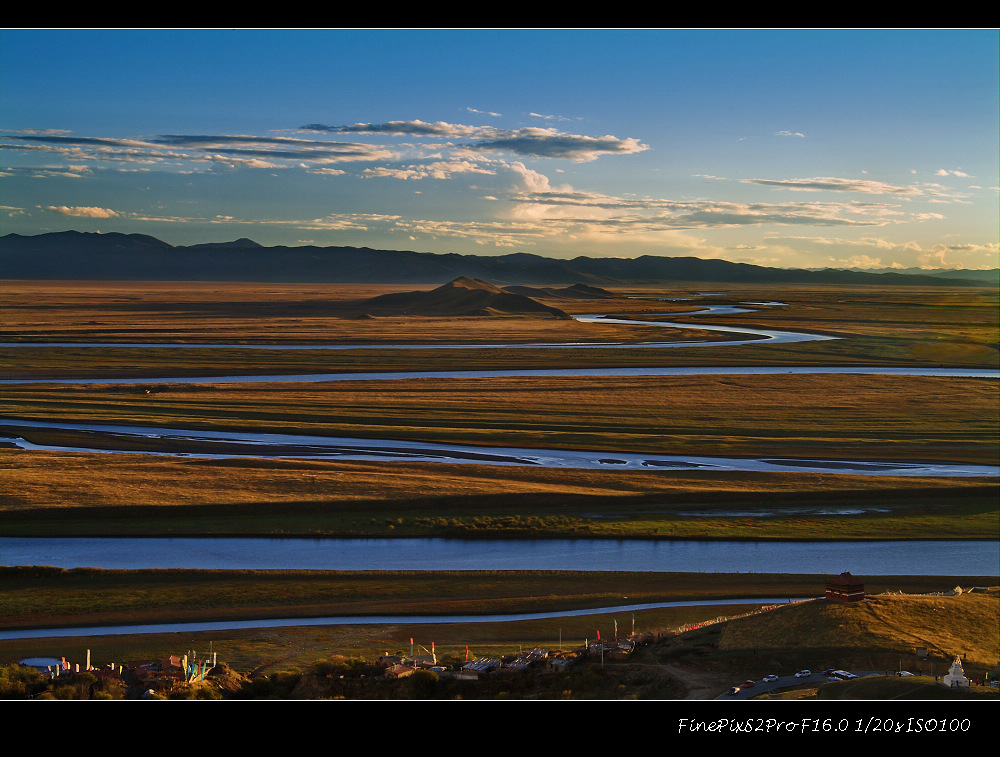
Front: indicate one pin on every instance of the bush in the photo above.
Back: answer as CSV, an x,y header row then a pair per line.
x,y
20,682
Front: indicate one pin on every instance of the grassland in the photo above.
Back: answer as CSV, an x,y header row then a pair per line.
x,y
869,417
856,417
135,495
876,326
848,417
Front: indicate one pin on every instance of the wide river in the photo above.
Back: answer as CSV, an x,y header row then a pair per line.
x,y
888,558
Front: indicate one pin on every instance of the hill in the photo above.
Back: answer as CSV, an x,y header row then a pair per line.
x,y
963,624
575,292
73,255
461,297
884,632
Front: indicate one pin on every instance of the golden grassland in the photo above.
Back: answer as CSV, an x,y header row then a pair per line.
x,y
51,493
878,326
847,417
263,313
840,416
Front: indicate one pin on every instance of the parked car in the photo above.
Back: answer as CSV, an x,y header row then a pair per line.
x,y
904,673
747,684
830,671
734,690
803,674
769,678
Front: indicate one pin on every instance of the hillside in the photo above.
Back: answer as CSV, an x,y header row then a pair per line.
x,y
461,297
885,632
73,255
964,624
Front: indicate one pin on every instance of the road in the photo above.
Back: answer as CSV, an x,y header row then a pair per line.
x,y
785,682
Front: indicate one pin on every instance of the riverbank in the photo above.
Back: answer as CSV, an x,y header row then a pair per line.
x,y
50,597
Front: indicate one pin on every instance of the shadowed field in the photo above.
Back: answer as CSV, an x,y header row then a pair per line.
x,y
52,597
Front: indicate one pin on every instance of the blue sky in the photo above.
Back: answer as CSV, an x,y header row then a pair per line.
x,y
793,148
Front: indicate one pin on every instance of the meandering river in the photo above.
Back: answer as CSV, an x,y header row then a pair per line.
x,y
233,444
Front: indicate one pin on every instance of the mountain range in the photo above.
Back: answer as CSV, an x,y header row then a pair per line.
x,y
74,255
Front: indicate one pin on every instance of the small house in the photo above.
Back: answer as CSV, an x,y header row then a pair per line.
x,y
845,588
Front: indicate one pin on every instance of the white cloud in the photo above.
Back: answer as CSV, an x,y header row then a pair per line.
x,y
531,180
833,184
82,212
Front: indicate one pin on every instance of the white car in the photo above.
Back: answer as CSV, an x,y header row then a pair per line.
x,y
769,679
803,674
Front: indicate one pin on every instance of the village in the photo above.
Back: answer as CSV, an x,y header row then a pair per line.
x,y
149,679
164,677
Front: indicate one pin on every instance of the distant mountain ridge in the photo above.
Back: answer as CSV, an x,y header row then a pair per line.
x,y
114,256
986,276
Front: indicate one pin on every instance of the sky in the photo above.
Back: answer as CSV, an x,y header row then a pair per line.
x,y
798,148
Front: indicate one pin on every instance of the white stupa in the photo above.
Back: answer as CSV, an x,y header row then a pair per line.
x,y
956,676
